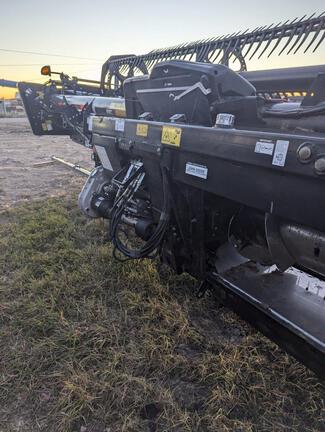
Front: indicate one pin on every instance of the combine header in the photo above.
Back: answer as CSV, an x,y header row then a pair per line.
x,y
7,83
219,173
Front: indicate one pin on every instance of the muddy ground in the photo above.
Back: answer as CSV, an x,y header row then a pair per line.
x,y
21,178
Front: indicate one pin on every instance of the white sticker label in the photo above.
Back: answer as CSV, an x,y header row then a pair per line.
x,y
280,153
264,147
90,123
49,125
119,125
195,170
104,158
225,120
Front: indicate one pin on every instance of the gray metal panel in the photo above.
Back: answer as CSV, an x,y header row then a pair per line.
x,y
284,297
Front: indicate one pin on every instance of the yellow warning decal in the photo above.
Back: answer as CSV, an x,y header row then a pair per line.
x,y
142,130
171,135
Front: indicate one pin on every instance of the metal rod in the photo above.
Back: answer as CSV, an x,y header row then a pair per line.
x,y
73,166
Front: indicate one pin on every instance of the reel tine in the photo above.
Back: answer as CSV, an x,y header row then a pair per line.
x,y
254,35
236,38
215,54
199,53
304,33
304,30
293,31
261,41
214,44
293,21
280,38
267,45
271,39
239,41
220,48
225,42
185,52
154,61
191,56
307,33
320,42
216,57
209,46
301,19
227,49
320,28
230,41
249,42
150,62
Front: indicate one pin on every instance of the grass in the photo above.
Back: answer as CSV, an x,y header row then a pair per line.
x,y
90,344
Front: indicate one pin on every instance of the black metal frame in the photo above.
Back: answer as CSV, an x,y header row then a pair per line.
x,y
274,303
234,166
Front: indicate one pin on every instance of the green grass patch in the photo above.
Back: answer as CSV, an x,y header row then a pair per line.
x,y
90,344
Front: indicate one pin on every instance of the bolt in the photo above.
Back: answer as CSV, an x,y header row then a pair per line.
x,y
304,153
320,165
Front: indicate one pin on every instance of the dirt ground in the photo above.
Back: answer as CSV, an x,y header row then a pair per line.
x,y
20,179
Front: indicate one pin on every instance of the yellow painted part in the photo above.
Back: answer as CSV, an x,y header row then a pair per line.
x,y
117,106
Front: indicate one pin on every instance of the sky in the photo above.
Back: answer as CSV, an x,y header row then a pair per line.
x,y
95,29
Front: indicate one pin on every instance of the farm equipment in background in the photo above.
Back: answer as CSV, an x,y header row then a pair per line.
x,y
8,83
11,106
219,173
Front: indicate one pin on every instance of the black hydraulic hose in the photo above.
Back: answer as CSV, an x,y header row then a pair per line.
x,y
296,113
156,238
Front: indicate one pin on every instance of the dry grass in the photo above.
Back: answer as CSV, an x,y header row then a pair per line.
x,y
88,344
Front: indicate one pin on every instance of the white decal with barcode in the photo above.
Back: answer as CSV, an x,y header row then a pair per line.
x,y
196,170
264,147
280,153
119,125
102,154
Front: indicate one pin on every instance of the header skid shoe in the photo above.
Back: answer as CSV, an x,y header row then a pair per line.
x,y
287,307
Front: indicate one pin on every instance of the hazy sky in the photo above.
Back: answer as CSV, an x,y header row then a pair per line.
x,y
96,29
